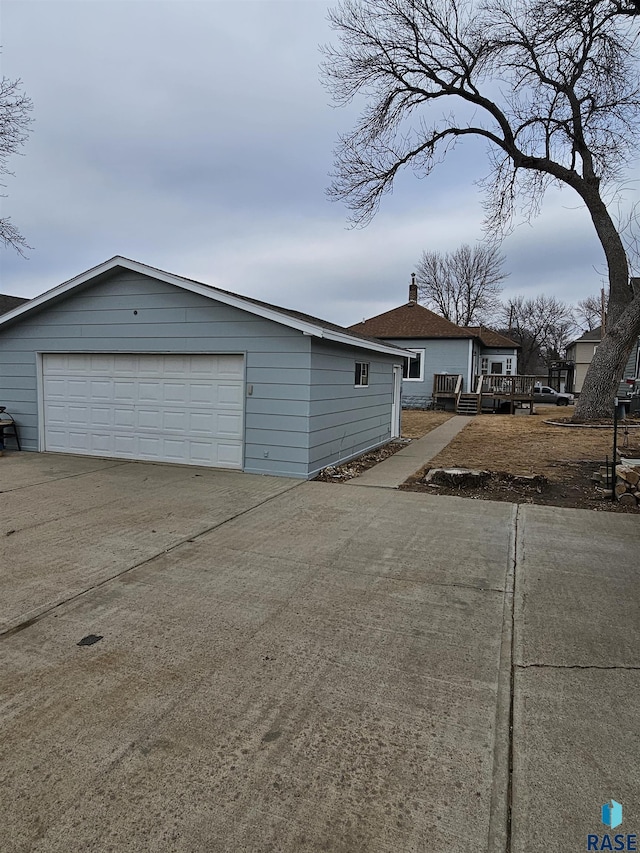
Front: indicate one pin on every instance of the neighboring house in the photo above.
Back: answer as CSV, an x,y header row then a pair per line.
x,y
581,351
439,347
8,303
131,362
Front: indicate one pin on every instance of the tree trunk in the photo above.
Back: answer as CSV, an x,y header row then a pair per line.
x,y
623,315
607,366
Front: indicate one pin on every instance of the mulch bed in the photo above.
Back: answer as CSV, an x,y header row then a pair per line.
x,y
351,469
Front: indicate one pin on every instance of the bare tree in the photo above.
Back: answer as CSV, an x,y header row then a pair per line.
x,y
463,285
543,326
15,107
591,311
552,86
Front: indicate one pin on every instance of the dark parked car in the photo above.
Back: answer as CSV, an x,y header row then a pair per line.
x,y
545,394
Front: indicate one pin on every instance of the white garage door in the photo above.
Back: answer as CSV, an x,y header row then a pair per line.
x,y
162,408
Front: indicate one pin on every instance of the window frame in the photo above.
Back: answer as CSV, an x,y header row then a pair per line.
x,y
363,374
420,352
484,365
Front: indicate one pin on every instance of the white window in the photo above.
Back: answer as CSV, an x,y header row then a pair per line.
x,y
362,374
413,368
509,367
484,369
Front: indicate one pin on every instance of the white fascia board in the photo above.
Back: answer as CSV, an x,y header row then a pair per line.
x,y
209,292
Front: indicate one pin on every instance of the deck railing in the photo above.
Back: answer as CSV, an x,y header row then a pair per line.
x,y
506,386
447,384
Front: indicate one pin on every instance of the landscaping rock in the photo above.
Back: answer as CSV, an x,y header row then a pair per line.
x,y
456,477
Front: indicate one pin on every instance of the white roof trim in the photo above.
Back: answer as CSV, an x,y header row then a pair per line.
x,y
306,327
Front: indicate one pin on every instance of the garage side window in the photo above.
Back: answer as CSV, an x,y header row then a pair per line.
x,y
413,370
362,374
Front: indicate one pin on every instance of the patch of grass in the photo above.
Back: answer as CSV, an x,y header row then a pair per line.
x,y
525,445
415,424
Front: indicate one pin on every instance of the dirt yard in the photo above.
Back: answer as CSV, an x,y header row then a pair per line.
x,y
524,445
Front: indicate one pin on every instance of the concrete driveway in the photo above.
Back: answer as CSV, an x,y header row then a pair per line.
x,y
291,666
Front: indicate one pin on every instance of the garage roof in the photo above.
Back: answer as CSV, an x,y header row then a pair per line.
x,y
304,323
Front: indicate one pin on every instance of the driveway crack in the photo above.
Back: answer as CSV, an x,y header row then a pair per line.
x,y
576,666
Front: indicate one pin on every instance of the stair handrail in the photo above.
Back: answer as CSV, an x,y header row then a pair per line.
x,y
458,390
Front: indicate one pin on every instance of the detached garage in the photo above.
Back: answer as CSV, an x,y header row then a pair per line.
x,y
130,362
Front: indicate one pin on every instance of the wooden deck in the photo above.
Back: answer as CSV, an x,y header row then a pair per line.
x,y
490,390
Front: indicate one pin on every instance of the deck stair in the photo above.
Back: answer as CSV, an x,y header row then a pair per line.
x,y
468,404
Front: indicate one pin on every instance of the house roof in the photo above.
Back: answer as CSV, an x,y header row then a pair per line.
x,y
491,338
593,335
8,303
415,321
305,323
410,321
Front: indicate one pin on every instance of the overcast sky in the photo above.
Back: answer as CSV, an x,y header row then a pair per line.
x,y
196,137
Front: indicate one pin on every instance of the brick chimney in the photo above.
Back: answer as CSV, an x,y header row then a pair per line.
x,y
413,289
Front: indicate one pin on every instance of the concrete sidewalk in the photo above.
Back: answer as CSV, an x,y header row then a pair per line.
x,y
393,471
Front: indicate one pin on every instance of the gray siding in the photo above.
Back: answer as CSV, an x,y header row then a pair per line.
x,y
448,355
344,420
169,319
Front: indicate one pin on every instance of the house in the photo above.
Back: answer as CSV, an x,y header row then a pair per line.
x,y
439,347
131,362
8,303
581,351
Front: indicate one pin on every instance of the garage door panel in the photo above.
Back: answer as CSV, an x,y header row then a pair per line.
x,y
228,425
229,455
56,414
55,388
101,363
201,394
149,392
176,421
124,417
79,416
101,443
175,449
57,439
100,389
151,365
202,423
124,445
230,395
150,419
152,407
175,392
124,391
101,416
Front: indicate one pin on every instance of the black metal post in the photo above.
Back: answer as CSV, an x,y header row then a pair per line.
x,y
615,449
